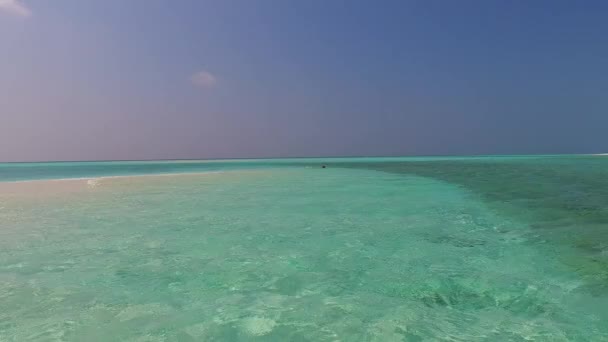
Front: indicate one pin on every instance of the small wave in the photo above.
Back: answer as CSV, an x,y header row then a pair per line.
x,y
93,183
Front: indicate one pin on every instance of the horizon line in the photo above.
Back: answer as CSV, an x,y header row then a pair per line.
x,y
306,157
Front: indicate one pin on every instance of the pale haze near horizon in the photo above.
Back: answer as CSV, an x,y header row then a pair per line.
x,y
94,80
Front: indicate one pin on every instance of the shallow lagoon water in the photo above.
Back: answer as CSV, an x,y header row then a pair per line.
x,y
479,249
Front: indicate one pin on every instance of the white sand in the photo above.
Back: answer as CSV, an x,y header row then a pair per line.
x,y
40,189
58,187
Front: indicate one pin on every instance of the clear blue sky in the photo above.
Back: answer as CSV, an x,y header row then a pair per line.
x,y
151,79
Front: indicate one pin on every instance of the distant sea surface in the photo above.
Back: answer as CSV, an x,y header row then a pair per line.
x,y
510,248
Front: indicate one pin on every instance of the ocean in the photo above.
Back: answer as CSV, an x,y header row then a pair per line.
x,y
497,248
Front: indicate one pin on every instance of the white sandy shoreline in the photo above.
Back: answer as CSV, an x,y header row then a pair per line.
x,y
42,188
113,177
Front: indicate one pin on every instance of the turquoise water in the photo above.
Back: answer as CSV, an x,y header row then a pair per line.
x,y
369,249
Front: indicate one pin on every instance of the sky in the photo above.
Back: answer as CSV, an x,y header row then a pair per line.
x,y
152,79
